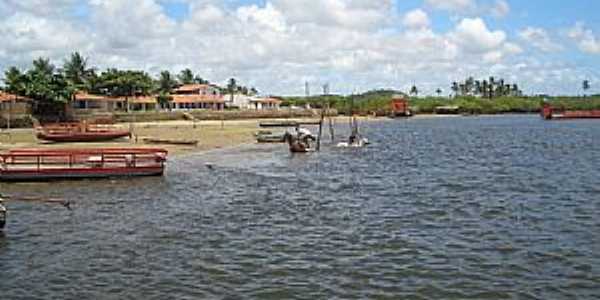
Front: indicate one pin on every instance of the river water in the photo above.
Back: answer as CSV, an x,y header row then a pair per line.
x,y
447,208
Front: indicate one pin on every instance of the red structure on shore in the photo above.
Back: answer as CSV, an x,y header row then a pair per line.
x,y
400,107
550,113
47,164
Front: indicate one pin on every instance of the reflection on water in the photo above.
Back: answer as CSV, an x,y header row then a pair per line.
x,y
482,208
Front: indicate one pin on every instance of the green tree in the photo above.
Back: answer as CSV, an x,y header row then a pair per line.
x,y
586,86
166,82
455,88
165,85
231,88
414,90
200,80
15,81
126,84
76,71
186,76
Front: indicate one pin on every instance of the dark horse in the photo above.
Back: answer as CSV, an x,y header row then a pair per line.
x,y
298,144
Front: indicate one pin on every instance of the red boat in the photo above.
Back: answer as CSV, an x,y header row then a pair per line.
x,y
400,107
550,113
47,164
79,132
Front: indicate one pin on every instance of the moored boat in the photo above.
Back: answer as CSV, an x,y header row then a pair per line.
x,y
400,107
550,113
80,132
270,137
48,164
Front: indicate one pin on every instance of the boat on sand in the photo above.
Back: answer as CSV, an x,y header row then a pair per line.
x,y
79,132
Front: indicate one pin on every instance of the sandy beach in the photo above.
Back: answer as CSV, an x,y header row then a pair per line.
x,y
209,134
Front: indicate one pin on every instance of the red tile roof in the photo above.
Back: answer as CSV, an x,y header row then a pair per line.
x,y
188,88
86,96
5,97
197,99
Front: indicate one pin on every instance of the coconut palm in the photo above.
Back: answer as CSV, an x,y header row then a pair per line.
x,y
75,69
586,86
414,91
186,76
15,81
231,87
438,92
455,88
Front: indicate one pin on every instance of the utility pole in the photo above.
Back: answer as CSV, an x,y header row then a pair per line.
x,y
306,89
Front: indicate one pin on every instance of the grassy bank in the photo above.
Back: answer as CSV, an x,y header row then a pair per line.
x,y
378,102
206,115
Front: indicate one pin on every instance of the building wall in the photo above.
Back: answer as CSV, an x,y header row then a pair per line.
x,y
15,109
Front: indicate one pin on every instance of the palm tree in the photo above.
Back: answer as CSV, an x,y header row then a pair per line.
x,y
414,90
166,82
231,87
454,88
586,86
186,76
438,92
14,81
165,85
200,80
75,69
42,66
253,91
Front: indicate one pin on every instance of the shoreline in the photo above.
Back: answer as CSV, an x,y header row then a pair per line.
x,y
211,134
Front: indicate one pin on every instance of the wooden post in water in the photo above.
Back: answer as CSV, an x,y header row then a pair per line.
x,y
331,132
321,127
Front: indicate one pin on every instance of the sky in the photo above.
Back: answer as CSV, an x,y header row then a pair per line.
x,y
546,46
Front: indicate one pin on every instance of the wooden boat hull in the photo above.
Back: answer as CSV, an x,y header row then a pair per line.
x,y
50,164
57,174
171,142
82,137
549,113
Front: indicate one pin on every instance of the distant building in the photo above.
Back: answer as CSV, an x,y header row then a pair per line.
x,y
89,103
197,96
13,105
264,103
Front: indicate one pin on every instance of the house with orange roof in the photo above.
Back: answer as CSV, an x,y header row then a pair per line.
x,y
13,106
197,96
85,102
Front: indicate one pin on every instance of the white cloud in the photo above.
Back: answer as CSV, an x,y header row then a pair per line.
x,y
500,9
474,36
276,46
460,6
585,38
539,38
416,19
38,7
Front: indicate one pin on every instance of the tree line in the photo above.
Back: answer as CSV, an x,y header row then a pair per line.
x,y
51,87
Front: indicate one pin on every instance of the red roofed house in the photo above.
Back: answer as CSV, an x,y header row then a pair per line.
x,y
197,96
88,103
85,102
14,106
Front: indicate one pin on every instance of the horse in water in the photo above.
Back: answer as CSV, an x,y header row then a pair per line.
x,y
299,143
